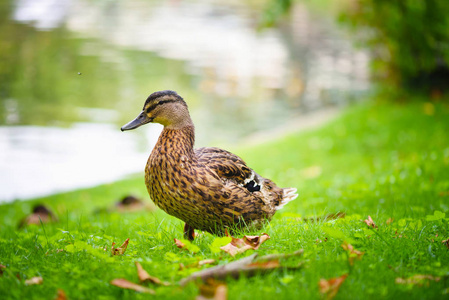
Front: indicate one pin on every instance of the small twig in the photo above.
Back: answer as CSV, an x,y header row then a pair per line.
x,y
220,272
247,266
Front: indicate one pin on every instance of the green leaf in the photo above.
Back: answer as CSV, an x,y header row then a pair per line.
x,y
402,222
171,257
219,242
190,247
337,234
437,215
286,279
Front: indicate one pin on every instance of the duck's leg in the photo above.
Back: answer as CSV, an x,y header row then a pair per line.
x,y
189,232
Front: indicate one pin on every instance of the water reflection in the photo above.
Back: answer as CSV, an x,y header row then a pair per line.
x,y
72,61
36,161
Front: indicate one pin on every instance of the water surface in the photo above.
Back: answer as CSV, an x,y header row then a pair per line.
x,y
73,71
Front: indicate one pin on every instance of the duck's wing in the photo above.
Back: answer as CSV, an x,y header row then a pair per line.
x,y
225,164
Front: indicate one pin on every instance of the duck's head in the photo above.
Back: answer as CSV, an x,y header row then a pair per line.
x,y
164,107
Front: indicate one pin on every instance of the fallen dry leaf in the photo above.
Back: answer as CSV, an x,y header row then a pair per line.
x,y
370,222
120,250
179,244
145,277
125,284
61,295
417,279
237,245
34,280
213,289
2,267
329,288
390,220
353,254
446,243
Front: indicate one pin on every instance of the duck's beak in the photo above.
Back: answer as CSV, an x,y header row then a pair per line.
x,y
141,119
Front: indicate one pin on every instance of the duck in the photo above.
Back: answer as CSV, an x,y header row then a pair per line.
x,y
208,188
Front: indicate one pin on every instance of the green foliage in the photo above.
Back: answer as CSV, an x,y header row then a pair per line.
x,y
409,39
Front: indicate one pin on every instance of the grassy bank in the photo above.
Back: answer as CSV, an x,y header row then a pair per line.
x,y
387,161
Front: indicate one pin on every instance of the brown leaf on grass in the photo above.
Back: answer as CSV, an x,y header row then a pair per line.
x,y
370,222
2,267
417,279
145,277
329,287
120,250
213,289
446,243
180,244
237,245
60,295
353,254
125,284
390,220
444,193
34,280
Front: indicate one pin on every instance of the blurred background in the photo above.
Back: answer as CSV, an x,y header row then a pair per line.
x,y
73,71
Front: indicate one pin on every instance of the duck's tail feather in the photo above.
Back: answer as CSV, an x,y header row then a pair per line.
x,y
289,194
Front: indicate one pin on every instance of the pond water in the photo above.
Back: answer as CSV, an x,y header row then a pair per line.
x,y
73,71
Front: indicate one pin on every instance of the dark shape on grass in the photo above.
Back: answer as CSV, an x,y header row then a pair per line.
x,y
40,214
247,266
2,267
126,284
213,289
130,203
329,287
328,217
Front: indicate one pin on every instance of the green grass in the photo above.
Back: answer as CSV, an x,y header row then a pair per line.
x,y
386,161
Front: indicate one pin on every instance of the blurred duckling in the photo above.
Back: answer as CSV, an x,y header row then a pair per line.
x,y
210,189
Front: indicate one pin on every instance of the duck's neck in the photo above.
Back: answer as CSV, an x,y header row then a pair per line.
x,y
175,142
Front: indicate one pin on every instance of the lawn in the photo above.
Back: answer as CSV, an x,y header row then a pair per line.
x,y
387,161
